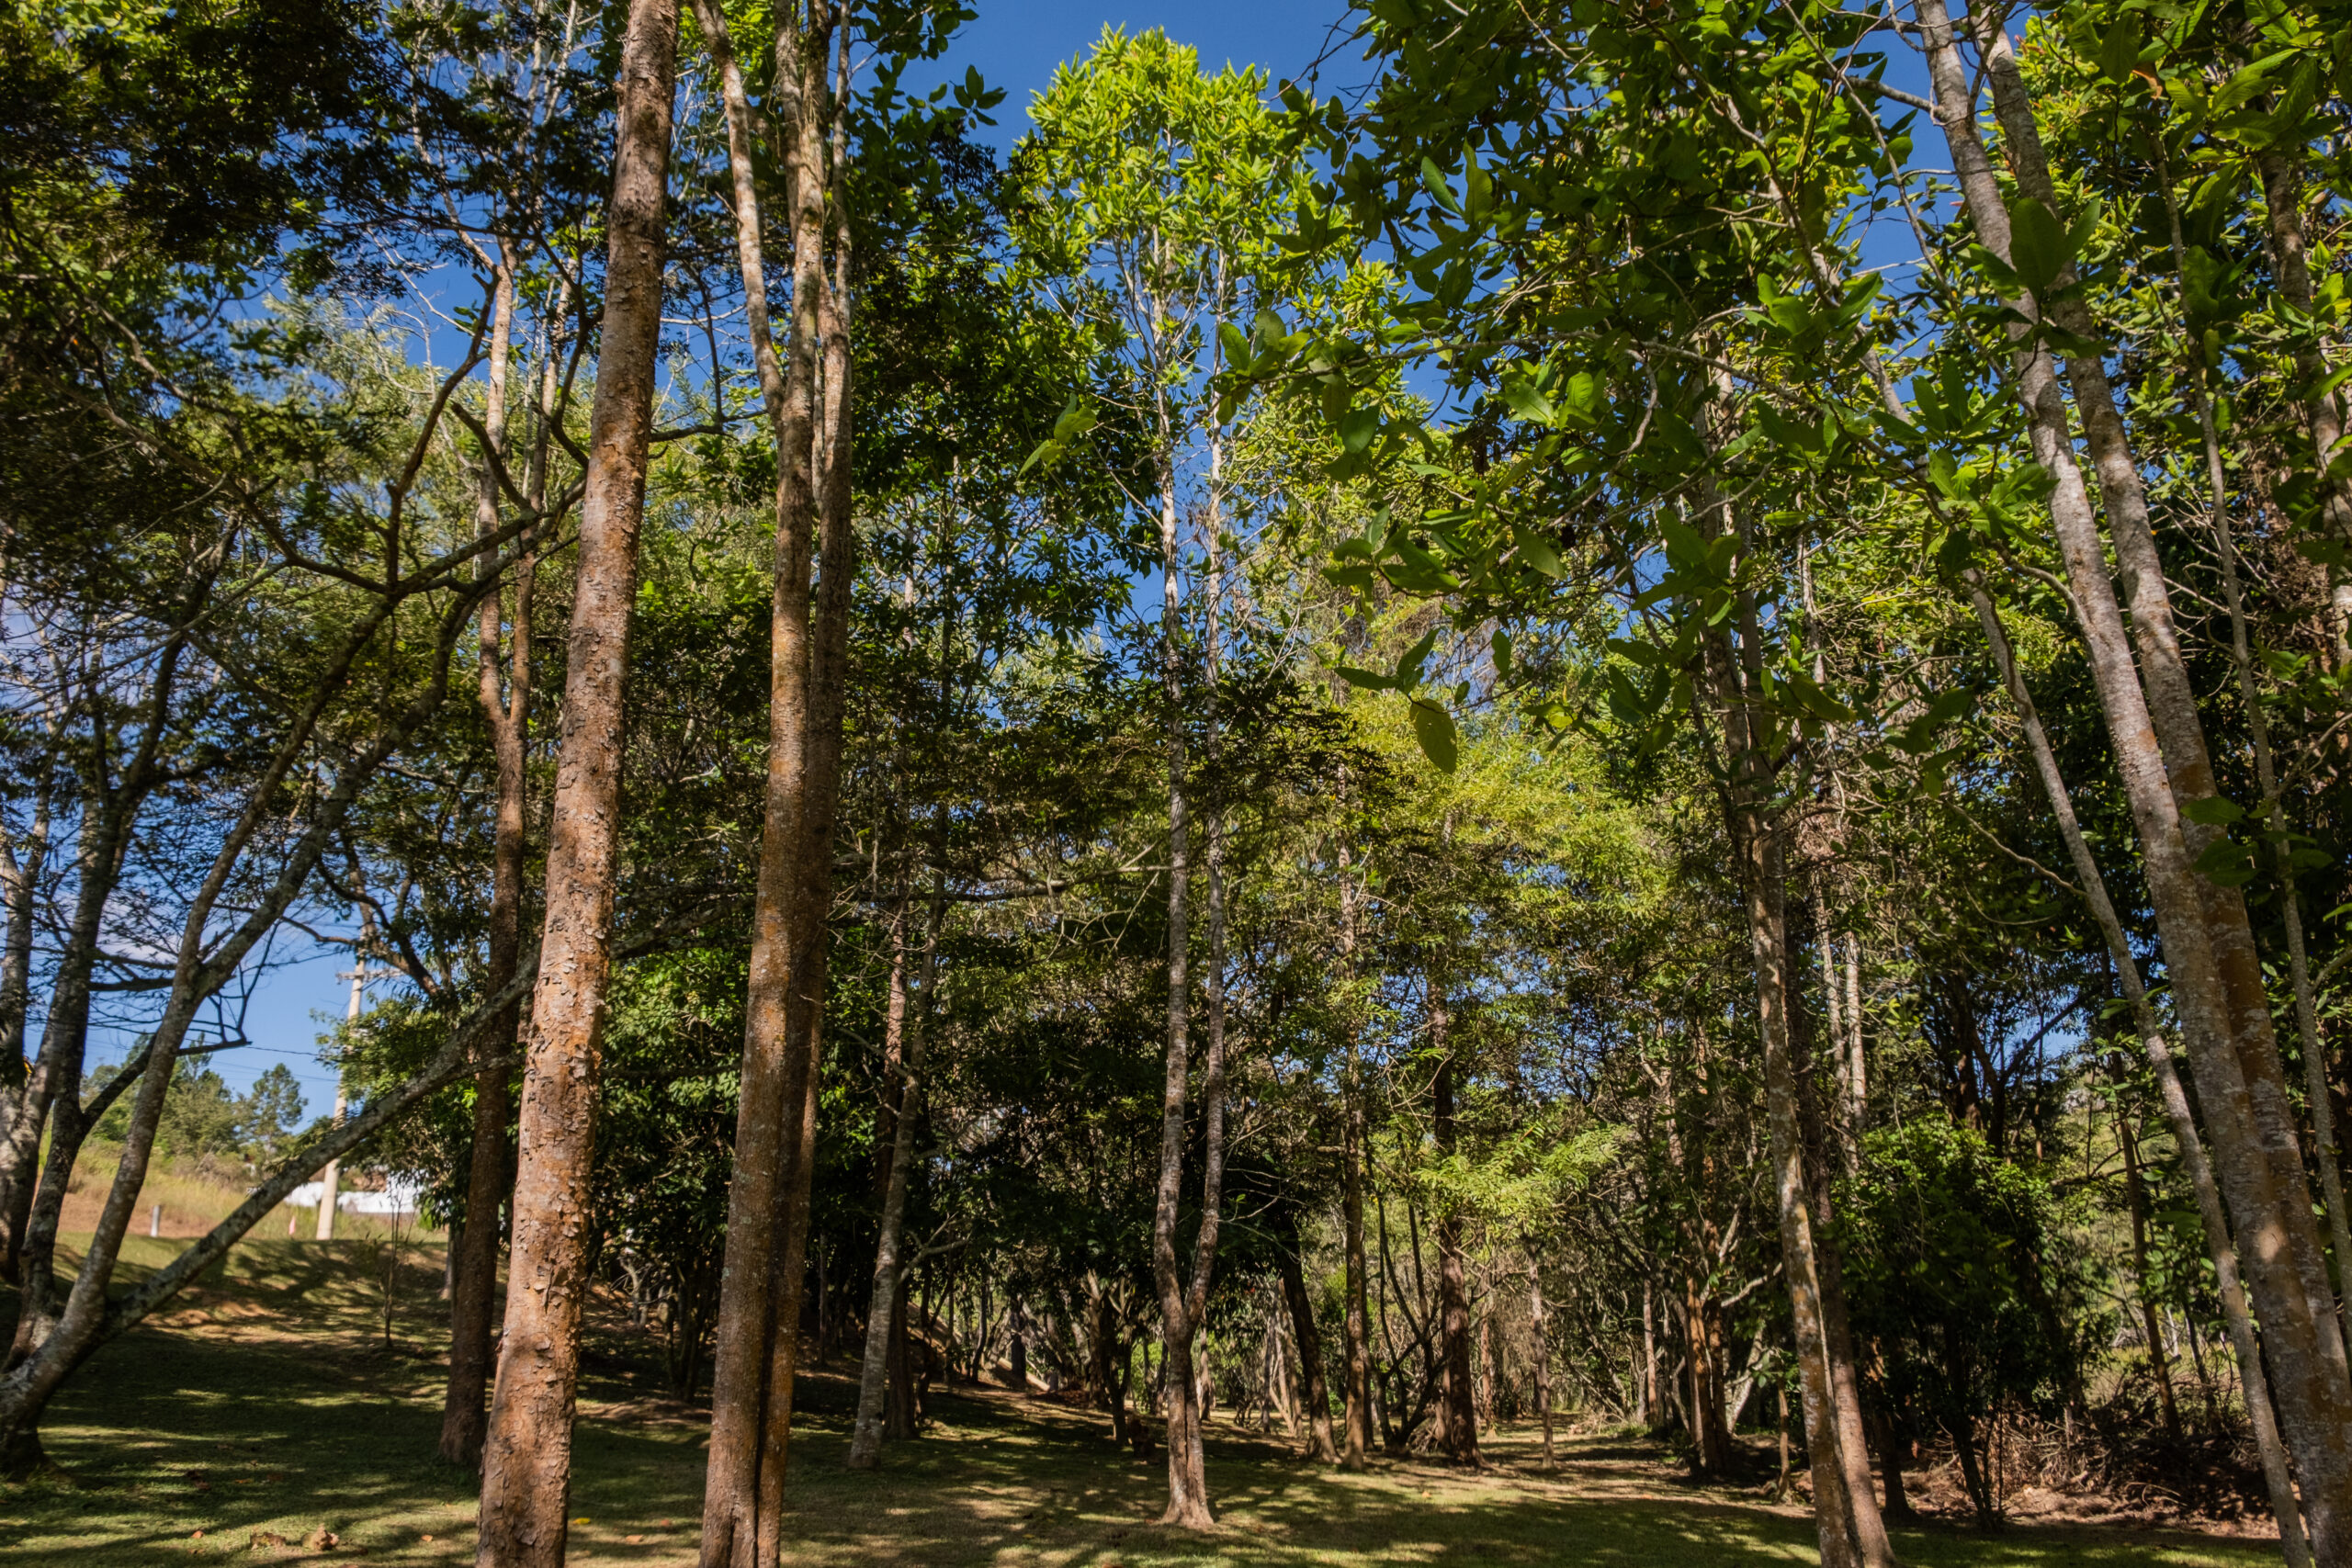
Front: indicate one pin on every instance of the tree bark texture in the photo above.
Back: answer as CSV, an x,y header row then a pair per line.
x,y
526,1457
827,706
1356,1326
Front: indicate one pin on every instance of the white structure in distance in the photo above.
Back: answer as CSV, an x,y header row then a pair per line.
x,y
398,1196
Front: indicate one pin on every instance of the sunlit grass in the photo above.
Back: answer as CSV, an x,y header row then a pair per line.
x,y
266,1405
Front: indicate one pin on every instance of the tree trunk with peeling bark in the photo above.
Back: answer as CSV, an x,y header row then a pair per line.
x,y
526,1457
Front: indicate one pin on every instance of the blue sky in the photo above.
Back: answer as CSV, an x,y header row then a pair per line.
x,y
1015,47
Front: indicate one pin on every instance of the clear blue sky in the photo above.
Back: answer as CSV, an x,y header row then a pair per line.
x,y
1015,46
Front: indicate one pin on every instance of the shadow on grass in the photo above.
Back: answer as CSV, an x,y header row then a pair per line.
x,y
270,1409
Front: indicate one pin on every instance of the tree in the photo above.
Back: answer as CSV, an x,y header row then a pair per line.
x,y
527,1456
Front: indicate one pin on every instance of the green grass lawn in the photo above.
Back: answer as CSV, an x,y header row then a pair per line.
x,y
268,1406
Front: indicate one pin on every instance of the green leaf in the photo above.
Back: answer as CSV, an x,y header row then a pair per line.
x,y
1812,700
1364,680
1502,651
1237,347
1433,181
2213,811
1409,664
2038,244
1433,727
2227,863
1526,399
1357,427
2119,51
1537,551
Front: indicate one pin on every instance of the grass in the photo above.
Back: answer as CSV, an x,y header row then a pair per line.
x,y
267,1406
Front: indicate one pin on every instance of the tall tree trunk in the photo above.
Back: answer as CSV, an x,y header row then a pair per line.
x,y
1307,1338
1356,1324
890,1269
1845,1509
2283,198
24,1091
1183,1302
473,1285
2161,757
1539,1330
1460,1426
827,706
2136,1196
2325,427
527,1459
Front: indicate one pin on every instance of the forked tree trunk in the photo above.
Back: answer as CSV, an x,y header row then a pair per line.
x,y
828,695
773,1095
2161,758
527,1459
473,1284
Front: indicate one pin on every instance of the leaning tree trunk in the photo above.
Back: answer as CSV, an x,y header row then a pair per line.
x,y
473,1285
24,1102
1309,1340
2236,1313
527,1459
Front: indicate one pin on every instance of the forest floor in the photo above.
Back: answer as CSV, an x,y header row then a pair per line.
x,y
269,1405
